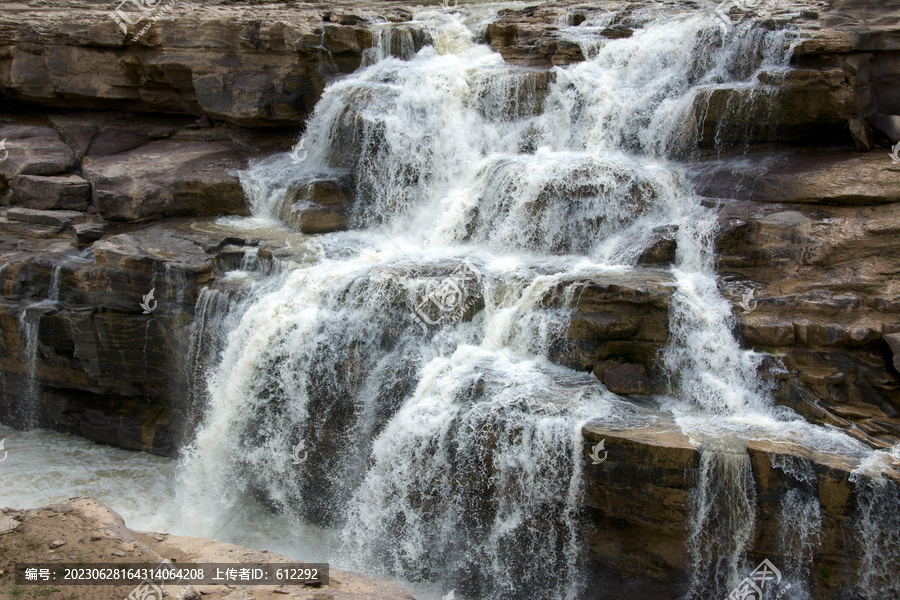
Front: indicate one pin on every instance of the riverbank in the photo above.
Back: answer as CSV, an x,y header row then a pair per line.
x,y
85,532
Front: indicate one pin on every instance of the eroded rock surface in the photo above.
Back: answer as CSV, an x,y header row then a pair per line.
x,y
85,531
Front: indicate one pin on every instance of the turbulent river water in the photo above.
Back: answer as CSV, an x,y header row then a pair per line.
x,y
385,401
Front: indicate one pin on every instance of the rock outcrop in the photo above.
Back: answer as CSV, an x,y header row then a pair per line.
x,y
640,512
121,149
86,532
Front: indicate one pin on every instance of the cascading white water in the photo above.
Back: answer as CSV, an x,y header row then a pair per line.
x,y
28,407
799,520
452,453
724,515
877,520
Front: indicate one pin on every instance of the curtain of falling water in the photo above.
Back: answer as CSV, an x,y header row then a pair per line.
x,y
452,454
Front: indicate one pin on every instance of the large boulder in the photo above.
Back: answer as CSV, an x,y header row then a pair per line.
x,y
167,178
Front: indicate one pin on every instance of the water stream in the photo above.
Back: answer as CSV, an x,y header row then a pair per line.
x,y
447,448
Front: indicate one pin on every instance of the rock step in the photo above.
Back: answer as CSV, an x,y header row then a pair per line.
x,y
69,192
21,229
51,218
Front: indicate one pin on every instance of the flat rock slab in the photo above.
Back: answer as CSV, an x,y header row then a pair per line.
x,y
69,192
19,230
34,150
167,178
51,218
829,178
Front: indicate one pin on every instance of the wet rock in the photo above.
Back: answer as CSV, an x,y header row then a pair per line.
x,y
828,178
626,380
326,191
318,219
105,368
320,206
86,234
653,465
791,106
662,250
69,192
617,33
526,37
767,331
618,317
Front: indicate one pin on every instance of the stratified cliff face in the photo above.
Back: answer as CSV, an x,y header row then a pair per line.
x,y
120,153
109,138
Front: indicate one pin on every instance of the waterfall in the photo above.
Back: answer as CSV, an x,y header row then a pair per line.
x,y
28,408
799,518
445,446
877,524
723,516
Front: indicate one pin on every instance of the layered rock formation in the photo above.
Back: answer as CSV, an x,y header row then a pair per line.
x,y
122,148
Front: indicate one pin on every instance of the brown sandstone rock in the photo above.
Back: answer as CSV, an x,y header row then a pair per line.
x,y
626,380
95,533
60,192
34,150
167,178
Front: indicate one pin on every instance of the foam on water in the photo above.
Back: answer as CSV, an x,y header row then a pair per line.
x,y
451,454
